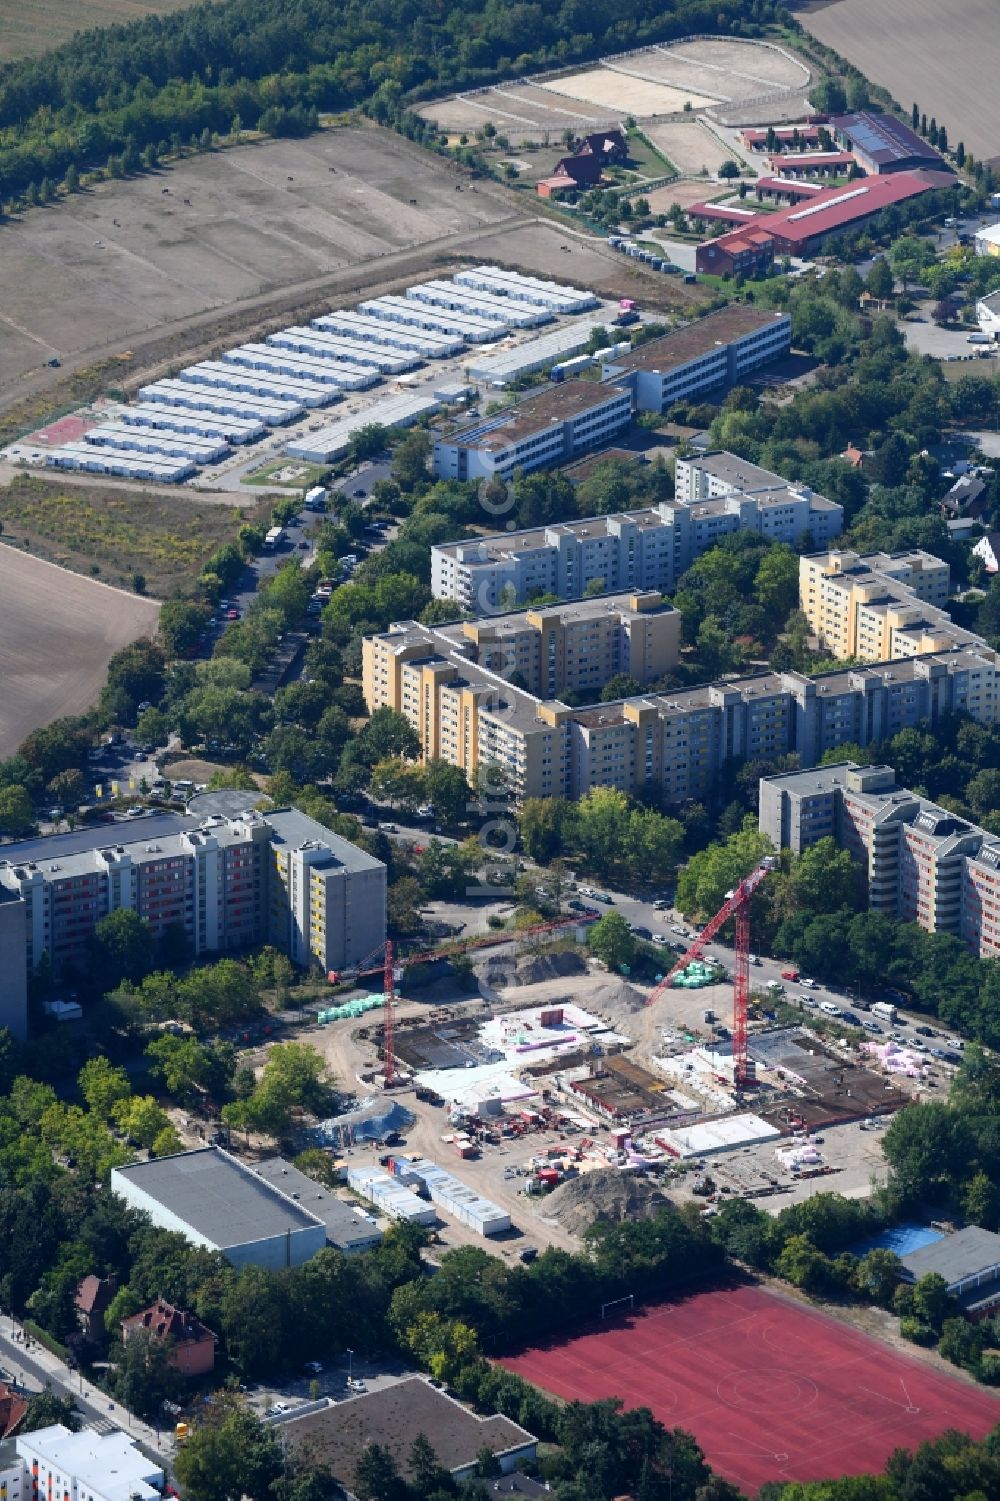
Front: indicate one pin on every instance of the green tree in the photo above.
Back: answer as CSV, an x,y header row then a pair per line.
x,y
879,280
611,940
121,948
927,1146
447,790
932,1301
16,813
230,1454
142,1376
103,1086
708,875
376,1477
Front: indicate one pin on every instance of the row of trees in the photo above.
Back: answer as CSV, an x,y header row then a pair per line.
x,y
168,80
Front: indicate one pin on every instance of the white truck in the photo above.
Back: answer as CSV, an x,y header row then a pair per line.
x,y
274,538
884,1009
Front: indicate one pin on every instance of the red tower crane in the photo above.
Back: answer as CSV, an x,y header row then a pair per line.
x,y
737,904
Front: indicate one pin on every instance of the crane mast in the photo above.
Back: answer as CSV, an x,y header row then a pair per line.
x,y
737,905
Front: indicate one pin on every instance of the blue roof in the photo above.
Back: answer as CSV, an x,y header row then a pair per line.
x,y
903,1239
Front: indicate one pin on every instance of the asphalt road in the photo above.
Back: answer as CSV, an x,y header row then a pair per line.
x,y
30,1373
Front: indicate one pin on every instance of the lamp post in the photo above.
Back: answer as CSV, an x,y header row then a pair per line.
x,y
350,1366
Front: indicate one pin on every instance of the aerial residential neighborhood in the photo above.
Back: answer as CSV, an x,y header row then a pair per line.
x,y
499,762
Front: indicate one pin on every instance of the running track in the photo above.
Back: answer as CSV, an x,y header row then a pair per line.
x,y
770,1389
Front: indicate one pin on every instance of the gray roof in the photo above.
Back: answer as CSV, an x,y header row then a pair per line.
x,y
957,1257
345,1225
217,1196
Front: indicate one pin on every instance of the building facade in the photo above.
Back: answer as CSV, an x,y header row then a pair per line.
x,y
192,1345
922,863
227,883
549,428
57,1465
639,550
551,649
714,351
880,607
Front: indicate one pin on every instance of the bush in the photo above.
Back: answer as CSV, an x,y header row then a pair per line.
x,y
916,1331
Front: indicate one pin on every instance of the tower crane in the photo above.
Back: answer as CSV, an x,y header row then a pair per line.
x,y
737,904
385,961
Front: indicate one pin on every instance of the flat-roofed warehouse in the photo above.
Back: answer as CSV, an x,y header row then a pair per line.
x,y
331,442
714,351
347,1228
217,1202
969,1262
338,1436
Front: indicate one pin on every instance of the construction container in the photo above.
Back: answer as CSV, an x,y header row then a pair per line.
x,y
389,1195
458,1200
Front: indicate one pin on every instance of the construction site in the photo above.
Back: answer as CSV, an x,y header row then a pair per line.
x,y
560,1093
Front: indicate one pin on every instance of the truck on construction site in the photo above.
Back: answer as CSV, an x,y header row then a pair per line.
x,y
885,1009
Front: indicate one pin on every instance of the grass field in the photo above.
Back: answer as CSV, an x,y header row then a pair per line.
x,y
288,474
57,634
26,30
112,534
941,53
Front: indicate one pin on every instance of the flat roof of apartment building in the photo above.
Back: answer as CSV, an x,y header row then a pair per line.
x,y
699,338
534,414
156,837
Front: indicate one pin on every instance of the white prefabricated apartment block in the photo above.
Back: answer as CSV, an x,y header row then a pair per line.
x,y
714,351
545,429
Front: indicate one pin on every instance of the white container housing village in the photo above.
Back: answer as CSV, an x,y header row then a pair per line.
x,y
390,1195
180,395
180,424
205,424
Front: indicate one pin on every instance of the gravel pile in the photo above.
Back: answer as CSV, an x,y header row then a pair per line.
x,y
604,1194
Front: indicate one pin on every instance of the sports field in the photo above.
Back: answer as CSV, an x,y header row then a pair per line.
x,y
770,1389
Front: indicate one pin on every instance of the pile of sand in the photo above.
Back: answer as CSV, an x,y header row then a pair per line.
x,y
616,999
499,969
604,1194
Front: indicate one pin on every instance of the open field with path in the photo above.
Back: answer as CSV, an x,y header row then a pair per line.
x,y
941,53
58,632
26,30
125,260
117,530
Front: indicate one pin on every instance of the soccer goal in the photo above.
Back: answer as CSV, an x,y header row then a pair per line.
x,y
618,1305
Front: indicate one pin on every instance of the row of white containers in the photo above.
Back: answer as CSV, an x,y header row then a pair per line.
x,y
455,1197
390,1195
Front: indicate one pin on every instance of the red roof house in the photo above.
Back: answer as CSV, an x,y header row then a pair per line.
x,y
193,1351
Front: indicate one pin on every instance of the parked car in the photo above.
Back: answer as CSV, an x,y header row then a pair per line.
x,y
789,974
660,938
925,1031
314,1367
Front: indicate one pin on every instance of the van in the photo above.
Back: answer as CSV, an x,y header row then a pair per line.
x,y
829,1008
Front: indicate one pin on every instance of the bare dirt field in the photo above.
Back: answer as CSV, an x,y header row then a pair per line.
x,y
690,145
128,258
26,30
609,87
941,53
116,531
524,112
661,200
57,634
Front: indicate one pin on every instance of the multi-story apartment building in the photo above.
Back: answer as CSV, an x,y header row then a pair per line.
x,y
87,1466
923,864
879,607
644,549
548,428
227,883
547,650
453,684
718,350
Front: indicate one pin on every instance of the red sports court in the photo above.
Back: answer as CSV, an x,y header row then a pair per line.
x,y
65,430
770,1389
